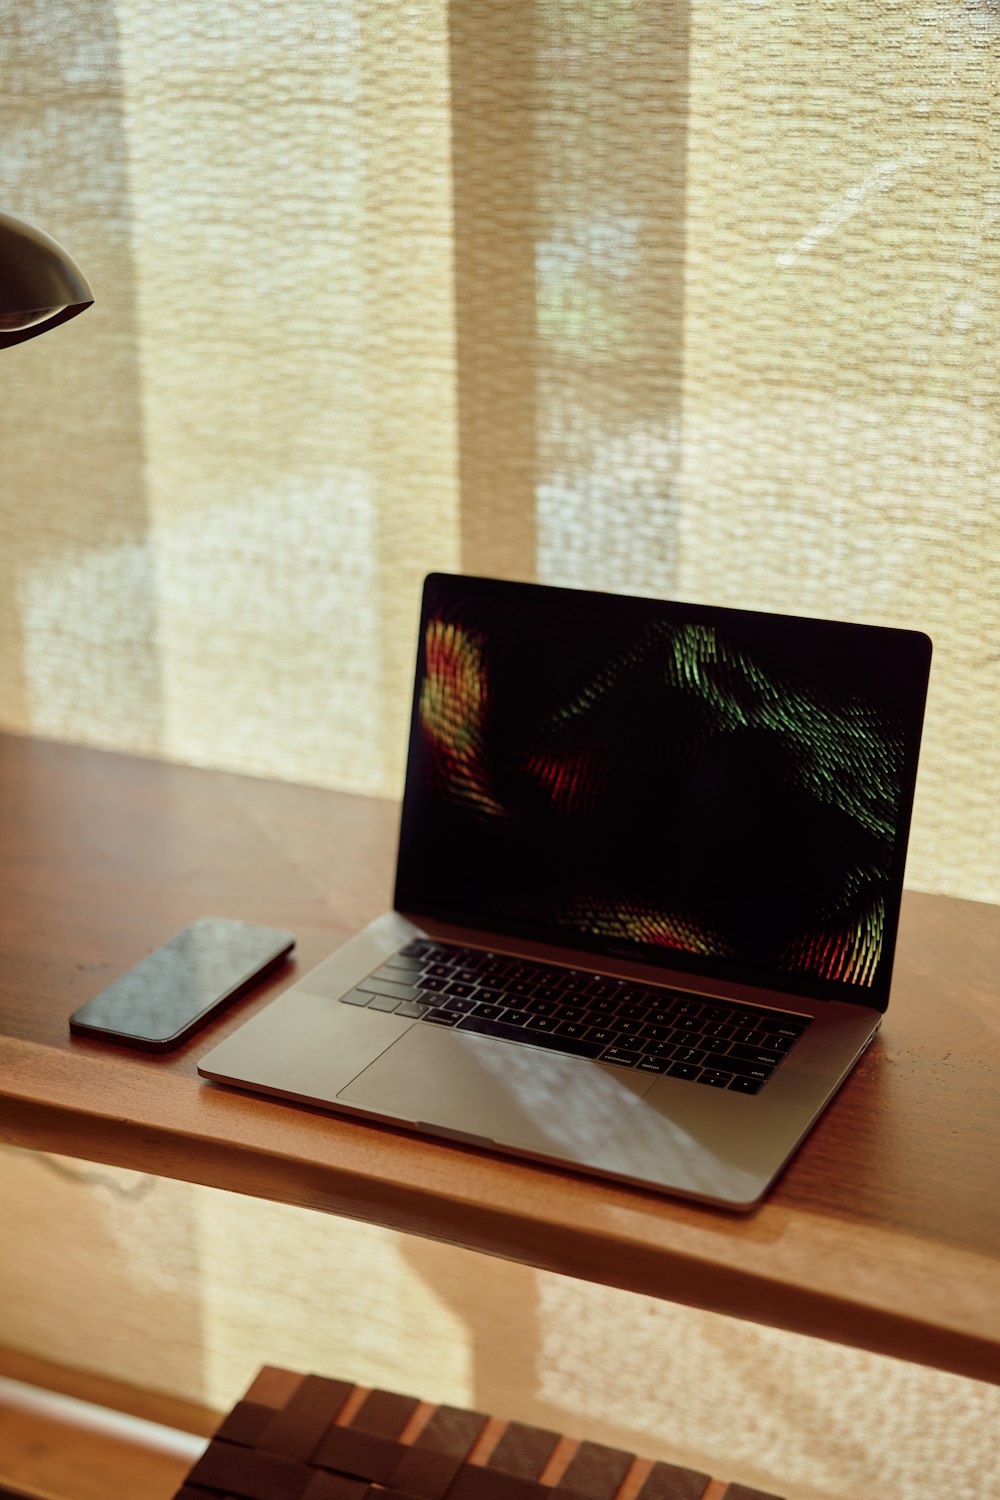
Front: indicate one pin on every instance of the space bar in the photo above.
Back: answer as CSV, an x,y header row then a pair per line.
x,y
552,1041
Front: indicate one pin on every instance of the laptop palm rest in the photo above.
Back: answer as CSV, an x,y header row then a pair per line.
x,y
517,1096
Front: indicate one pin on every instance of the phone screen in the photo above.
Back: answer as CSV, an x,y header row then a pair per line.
x,y
177,989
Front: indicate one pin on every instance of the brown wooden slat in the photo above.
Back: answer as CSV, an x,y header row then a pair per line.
x,y
745,1492
524,1450
246,1423
385,1413
452,1431
327,1486
595,1472
250,1473
668,1482
362,1455
273,1386
295,1430
474,1483
424,1474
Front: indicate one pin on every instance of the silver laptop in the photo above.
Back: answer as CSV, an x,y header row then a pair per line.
x,y
648,883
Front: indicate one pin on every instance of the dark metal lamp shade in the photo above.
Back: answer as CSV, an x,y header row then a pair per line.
x,y
40,285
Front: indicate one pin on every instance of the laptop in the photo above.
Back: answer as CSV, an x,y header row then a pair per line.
x,y
649,874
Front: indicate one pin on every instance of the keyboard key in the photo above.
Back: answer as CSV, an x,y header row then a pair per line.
x,y
541,1023
683,1036
400,967
752,1038
633,994
777,1025
597,1018
714,1079
417,947
746,1085
648,1064
488,1011
519,989
411,1010
690,1055
433,984
356,997
744,1018
627,1027
517,1017
624,1057
576,1046
633,1012
456,1002
383,1002
389,987
727,1063
569,1012
493,968
606,1035
656,1033
539,1007
455,987
687,1023
719,1032
682,1070
659,1049
443,1017
755,1054
571,1028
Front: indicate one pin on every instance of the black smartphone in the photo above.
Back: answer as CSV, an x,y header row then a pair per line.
x,y
171,994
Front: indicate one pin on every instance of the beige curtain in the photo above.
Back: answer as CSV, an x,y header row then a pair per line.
x,y
690,299
697,300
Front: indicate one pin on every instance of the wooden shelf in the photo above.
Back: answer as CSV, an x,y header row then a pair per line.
x,y
882,1233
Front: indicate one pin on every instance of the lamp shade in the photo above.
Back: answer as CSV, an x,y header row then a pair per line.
x,y
40,285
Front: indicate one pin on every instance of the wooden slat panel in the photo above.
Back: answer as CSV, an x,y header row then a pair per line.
x,y
347,1462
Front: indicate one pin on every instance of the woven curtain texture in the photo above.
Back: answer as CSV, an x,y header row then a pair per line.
x,y
689,299
674,298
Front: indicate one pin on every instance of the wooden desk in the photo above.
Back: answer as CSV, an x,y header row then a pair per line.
x,y
884,1232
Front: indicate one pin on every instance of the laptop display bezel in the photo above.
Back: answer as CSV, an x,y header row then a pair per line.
x,y
914,656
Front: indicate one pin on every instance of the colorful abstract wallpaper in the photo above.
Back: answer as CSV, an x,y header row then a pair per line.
x,y
706,789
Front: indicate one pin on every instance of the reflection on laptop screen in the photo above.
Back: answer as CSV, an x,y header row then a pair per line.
x,y
711,789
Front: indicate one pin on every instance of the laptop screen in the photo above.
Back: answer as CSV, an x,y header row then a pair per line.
x,y
710,790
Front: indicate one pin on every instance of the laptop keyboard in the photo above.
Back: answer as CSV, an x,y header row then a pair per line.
x,y
653,1030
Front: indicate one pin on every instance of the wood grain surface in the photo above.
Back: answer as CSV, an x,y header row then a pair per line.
x,y
883,1232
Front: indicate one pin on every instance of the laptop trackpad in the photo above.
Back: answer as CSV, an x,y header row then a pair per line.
x,y
511,1094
